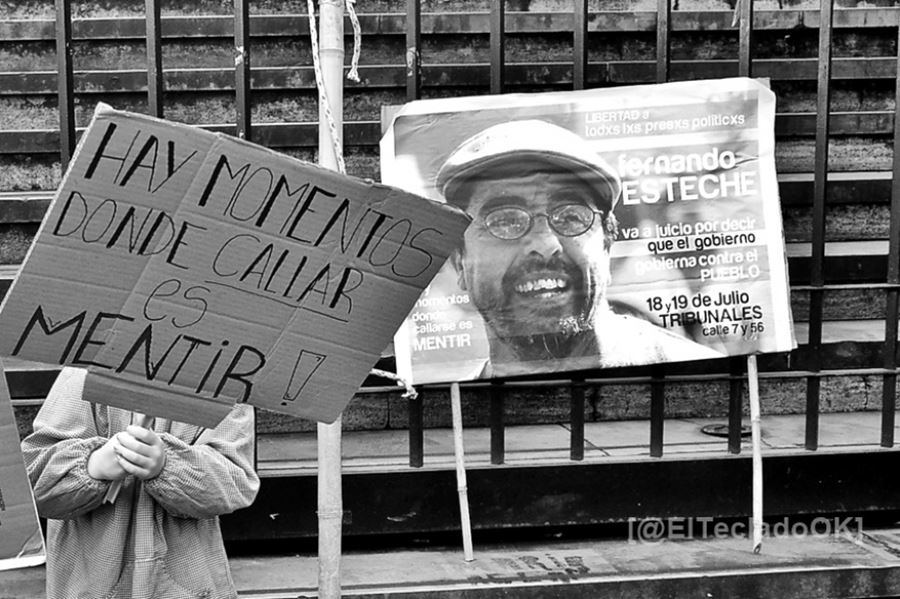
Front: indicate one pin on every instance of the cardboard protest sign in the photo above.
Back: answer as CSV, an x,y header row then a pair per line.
x,y
679,178
188,270
21,541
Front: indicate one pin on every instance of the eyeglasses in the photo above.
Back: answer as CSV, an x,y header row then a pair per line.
x,y
513,222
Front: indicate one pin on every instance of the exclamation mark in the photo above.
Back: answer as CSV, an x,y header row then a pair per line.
x,y
307,364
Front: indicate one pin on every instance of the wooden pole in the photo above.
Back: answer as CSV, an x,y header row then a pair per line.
x,y
330,499
331,60
459,453
757,518
330,509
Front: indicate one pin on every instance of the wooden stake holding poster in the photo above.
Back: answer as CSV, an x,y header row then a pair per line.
x,y
331,102
757,515
21,541
461,485
330,503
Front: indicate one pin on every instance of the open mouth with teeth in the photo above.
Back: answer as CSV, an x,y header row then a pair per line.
x,y
542,286
538,300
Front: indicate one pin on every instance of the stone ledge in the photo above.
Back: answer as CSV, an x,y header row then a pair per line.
x,y
846,565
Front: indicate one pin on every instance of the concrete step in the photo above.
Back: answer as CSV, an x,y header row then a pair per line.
x,y
851,563
834,560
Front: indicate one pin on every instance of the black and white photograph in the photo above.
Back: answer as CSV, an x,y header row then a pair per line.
x,y
449,299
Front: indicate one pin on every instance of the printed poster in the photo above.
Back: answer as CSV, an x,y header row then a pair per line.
x,y
611,227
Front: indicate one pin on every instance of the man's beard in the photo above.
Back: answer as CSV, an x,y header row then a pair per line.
x,y
555,346
544,303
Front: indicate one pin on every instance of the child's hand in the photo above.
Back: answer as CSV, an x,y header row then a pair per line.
x,y
103,463
140,452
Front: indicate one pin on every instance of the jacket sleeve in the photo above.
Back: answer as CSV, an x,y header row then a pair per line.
x,y
56,453
214,475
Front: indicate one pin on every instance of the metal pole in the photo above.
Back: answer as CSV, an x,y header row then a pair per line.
x,y
155,83
66,85
330,500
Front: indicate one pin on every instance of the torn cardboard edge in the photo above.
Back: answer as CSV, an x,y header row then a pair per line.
x,y
21,540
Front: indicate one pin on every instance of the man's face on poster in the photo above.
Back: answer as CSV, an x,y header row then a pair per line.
x,y
535,259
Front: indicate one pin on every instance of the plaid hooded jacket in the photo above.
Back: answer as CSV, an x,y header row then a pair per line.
x,y
161,538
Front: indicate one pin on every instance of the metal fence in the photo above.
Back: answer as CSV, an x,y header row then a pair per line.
x,y
810,361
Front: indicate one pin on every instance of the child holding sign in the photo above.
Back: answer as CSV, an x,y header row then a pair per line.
x,y
160,539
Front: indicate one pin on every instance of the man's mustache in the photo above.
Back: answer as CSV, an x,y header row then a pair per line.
x,y
534,265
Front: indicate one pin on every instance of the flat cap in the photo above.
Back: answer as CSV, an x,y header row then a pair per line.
x,y
527,142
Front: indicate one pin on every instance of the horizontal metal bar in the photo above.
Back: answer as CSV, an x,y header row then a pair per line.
x,y
273,135
26,403
25,208
369,132
869,187
847,287
839,269
466,22
677,378
842,123
836,249
629,380
476,74
856,187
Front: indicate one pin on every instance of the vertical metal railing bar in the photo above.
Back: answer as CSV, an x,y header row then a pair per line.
x,y
498,56
735,404
414,408
745,37
579,81
155,83
498,432
242,68
663,29
576,418
657,373
413,50
579,45
744,14
889,383
657,409
817,274
498,45
416,425
65,82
